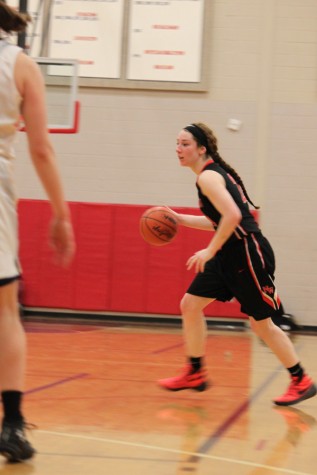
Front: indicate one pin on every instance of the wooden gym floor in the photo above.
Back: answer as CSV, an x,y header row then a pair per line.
x,y
92,393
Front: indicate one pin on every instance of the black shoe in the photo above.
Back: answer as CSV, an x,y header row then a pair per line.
x,y
13,443
286,322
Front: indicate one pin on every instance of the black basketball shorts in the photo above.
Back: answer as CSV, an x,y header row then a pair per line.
x,y
7,281
243,270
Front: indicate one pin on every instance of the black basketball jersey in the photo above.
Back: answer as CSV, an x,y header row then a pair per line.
x,y
247,224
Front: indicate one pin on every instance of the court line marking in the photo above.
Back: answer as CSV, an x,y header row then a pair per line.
x,y
167,348
227,424
57,383
241,409
174,451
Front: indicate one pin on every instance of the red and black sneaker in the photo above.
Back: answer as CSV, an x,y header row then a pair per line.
x,y
189,379
297,391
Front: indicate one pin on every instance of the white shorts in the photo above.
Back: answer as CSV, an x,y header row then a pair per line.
x,y
9,245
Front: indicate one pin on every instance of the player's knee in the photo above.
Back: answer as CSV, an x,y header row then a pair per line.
x,y
194,305
261,327
190,305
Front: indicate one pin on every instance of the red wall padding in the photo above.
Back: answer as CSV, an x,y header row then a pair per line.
x,y
114,269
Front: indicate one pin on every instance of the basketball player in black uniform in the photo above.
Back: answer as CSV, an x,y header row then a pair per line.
x,y
238,262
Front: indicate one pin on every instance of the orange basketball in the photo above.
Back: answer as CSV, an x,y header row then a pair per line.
x,y
158,226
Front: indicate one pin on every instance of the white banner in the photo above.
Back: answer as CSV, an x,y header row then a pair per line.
x,y
165,40
164,37
85,30
90,32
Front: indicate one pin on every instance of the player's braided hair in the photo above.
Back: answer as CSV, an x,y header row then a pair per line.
x,y
213,151
11,20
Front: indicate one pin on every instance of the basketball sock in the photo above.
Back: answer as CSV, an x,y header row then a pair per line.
x,y
297,371
196,363
11,401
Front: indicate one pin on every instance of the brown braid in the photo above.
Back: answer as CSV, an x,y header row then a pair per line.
x,y
213,152
11,19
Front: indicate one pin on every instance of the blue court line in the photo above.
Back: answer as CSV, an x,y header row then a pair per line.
x,y
215,437
57,383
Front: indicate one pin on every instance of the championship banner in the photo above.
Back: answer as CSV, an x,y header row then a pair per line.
x,y
165,40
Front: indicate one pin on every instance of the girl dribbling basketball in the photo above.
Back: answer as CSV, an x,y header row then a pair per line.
x,y
238,262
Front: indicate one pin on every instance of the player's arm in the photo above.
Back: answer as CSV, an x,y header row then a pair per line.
x,y
213,186
30,84
193,221
196,222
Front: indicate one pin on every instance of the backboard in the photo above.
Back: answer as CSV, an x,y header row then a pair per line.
x,y
60,77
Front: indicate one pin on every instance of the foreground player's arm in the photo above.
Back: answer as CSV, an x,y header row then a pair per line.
x,y
30,84
213,187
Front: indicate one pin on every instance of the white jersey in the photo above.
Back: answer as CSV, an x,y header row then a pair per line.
x,y
10,101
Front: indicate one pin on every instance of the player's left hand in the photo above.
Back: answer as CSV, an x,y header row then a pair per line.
x,y
199,259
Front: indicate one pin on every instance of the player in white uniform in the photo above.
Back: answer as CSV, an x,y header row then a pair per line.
x,y
21,92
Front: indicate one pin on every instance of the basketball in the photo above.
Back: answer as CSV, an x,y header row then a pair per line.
x,y
158,226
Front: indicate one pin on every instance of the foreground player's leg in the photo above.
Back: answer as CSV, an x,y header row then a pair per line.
x,y
13,443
